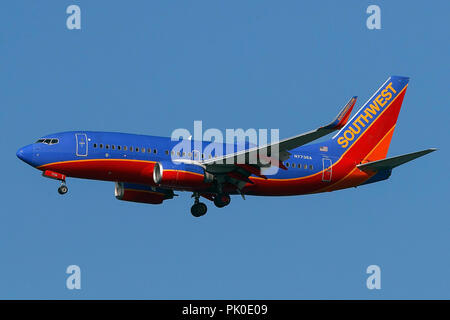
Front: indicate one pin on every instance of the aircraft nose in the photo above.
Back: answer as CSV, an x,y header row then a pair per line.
x,y
19,153
25,154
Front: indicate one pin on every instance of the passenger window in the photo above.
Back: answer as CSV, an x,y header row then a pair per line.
x,y
167,152
113,147
287,164
149,150
178,153
172,153
131,149
155,151
137,149
125,148
311,167
101,146
95,145
184,154
106,146
119,147
142,150
305,166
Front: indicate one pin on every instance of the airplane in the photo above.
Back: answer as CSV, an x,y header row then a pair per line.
x,y
146,169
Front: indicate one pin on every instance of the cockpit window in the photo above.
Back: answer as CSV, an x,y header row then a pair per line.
x,y
48,141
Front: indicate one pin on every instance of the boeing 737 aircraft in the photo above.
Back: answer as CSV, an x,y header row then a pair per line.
x,y
147,169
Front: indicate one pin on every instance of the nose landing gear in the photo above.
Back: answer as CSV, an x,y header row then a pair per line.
x,y
63,188
57,176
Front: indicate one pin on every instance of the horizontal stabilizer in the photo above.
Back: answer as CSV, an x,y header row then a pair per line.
x,y
393,162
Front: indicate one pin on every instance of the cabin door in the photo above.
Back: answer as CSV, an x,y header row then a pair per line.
x,y
81,145
327,169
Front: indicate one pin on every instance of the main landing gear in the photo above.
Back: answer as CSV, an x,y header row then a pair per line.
x,y
63,188
199,208
221,200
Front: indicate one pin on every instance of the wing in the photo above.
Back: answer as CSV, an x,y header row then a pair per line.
x,y
237,167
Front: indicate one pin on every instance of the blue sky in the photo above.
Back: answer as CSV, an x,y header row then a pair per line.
x,y
152,66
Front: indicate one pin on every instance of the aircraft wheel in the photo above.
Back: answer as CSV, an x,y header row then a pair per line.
x,y
199,209
63,189
222,200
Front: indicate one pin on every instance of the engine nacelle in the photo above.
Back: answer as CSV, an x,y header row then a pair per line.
x,y
182,175
141,193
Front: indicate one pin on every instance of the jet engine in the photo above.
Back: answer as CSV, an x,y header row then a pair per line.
x,y
141,193
181,175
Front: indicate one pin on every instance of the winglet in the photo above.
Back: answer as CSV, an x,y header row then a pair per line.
x,y
343,116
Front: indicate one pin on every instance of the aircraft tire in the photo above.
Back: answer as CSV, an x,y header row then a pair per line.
x,y
63,189
222,200
199,209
